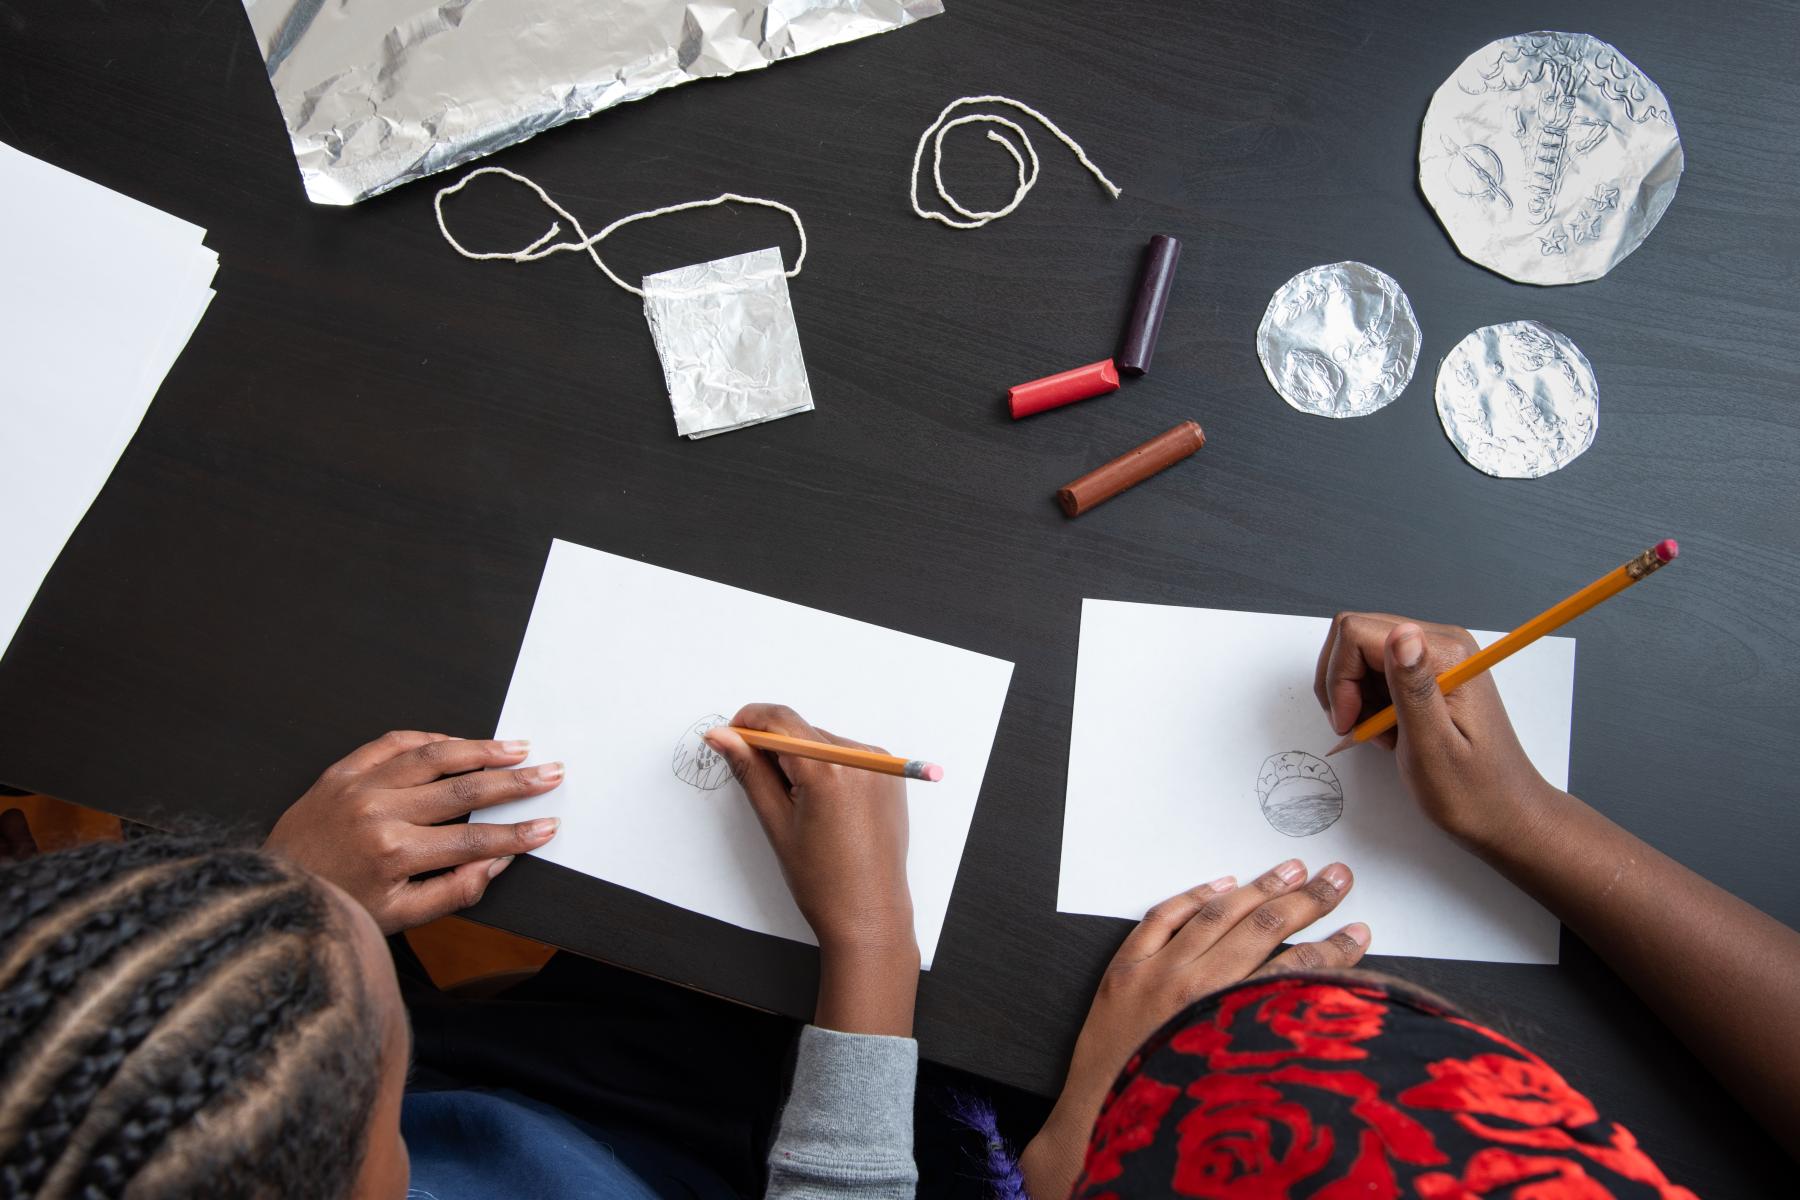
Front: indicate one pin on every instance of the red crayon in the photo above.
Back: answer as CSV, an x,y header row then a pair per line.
x,y
1054,391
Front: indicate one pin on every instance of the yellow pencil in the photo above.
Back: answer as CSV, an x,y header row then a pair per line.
x,y
1553,618
844,756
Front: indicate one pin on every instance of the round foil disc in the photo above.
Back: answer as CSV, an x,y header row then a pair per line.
x,y
1549,157
1339,340
1518,400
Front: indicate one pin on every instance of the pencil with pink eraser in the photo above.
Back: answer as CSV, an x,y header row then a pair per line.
x,y
1552,618
843,756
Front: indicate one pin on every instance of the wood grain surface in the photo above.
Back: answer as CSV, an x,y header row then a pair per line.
x,y
333,519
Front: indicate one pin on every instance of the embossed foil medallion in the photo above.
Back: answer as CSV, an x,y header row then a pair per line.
x,y
1518,400
1549,157
1339,340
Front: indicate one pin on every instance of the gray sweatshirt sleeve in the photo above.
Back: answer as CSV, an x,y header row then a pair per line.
x,y
847,1128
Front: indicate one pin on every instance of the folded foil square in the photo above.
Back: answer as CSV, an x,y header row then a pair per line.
x,y
729,347
377,92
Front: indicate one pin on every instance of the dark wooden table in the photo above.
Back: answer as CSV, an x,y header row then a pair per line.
x,y
334,516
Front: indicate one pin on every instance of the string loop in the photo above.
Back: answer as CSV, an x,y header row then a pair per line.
x,y
546,244
1027,179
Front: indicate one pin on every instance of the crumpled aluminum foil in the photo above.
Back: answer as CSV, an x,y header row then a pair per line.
x,y
1518,400
379,92
729,347
1339,340
1549,157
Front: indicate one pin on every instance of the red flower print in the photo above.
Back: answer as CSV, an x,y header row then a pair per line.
x,y
1252,1136
1244,1141
1622,1156
1128,1122
1400,1135
1522,1091
1318,1021
1322,1021
1497,1172
1371,1176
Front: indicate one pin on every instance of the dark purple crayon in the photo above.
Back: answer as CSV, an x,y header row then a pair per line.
x,y
1152,298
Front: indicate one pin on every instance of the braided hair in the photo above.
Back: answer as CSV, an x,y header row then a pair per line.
x,y
179,1019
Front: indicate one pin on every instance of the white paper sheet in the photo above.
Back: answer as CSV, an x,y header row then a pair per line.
x,y
98,295
1177,713
622,658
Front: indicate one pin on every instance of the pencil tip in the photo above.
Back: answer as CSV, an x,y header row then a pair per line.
x,y
1343,744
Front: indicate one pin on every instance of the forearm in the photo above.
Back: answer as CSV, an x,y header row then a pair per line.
x,y
868,989
1721,974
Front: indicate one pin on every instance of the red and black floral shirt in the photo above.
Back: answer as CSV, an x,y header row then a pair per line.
x,y
1318,1089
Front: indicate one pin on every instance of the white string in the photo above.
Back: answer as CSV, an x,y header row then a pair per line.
x,y
539,249
975,220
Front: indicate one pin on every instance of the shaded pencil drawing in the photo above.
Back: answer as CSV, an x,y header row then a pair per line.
x,y
697,764
1299,793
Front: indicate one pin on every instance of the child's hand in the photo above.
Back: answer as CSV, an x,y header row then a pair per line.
x,y
1186,947
840,835
376,819
1458,753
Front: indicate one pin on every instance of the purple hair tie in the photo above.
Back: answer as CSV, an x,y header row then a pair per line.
x,y
1001,1163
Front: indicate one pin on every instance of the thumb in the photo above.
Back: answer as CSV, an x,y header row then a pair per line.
x,y
762,781
1424,717
440,895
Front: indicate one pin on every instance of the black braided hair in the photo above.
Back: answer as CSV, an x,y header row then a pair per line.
x,y
146,985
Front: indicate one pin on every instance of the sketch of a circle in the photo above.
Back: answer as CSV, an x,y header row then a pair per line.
x,y
697,764
1339,340
1518,400
1549,157
1299,793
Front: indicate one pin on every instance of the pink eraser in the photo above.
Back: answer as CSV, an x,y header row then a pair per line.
x,y
1666,550
933,773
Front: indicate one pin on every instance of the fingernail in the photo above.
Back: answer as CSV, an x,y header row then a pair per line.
x,y
1409,647
1358,933
1291,871
541,830
550,772
1338,875
499,865
1223,883
518,746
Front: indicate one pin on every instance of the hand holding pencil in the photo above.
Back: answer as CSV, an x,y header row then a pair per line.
x,y
840,833
1426,688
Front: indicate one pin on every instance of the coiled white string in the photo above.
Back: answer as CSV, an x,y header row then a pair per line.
x,y
975,220
539,249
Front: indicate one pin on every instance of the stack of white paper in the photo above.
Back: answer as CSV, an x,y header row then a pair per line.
x,y
98,294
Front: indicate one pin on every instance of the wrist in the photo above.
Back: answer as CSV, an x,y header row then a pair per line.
x,y
1052,1160
878,932
865,988
1512,829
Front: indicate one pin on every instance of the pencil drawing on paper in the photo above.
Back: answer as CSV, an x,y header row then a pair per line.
x,y
1299,793
697,764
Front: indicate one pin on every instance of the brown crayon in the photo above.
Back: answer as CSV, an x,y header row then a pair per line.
x,y
1132,467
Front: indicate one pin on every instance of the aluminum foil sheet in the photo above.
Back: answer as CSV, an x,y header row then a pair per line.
x,y
1339,340
729,347
1519,400
378,92
1549,157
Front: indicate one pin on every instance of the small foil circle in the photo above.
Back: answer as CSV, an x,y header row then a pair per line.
x,y
1339,340
1518,400
1549,157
